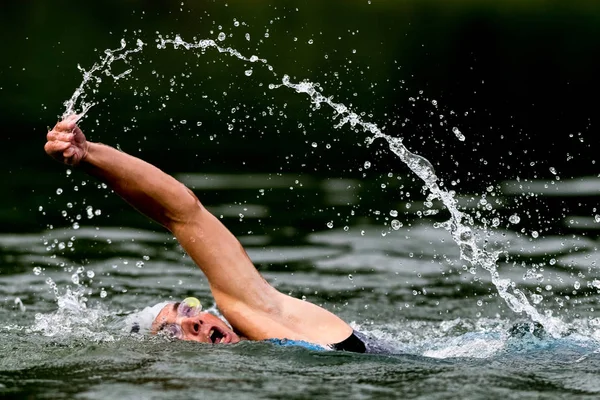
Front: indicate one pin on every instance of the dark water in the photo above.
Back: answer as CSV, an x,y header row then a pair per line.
x,y
322,215
450,331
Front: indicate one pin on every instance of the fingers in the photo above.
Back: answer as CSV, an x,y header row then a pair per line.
x,y
55,147
55,135
69,152
67,124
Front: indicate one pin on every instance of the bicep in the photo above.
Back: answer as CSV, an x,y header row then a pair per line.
x,y
230,272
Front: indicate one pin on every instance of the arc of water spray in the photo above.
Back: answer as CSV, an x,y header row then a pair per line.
x,y
461,234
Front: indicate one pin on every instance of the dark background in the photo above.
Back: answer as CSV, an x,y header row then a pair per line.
x,y
519,79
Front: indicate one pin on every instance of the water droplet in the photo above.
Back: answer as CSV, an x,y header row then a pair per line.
x,y
434,102
75,225
597,218
139,264
346,228
198,123
221,36
37,270
90,274
59,191
393,213
536,298
330,224
576,285
350,276
314,144
514,219
103,293
396,224
479,303
535,234
367,164
553,170
248,72
68,172
236,23
310,41
458,134
183,122
247,36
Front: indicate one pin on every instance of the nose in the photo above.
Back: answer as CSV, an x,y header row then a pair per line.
x,y
192,325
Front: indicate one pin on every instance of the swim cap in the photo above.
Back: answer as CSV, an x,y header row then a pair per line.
x,y
141,321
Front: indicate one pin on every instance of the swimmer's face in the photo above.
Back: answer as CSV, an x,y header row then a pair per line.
x,y
200,327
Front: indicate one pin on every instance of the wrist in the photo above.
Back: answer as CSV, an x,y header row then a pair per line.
x,y
90,149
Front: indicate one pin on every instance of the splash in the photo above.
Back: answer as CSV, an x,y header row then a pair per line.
x,y
103,67
459,223
73,318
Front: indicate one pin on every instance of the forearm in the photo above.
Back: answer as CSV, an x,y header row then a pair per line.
x,y
147,188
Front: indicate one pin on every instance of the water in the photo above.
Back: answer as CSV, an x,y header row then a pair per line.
x,y
444,288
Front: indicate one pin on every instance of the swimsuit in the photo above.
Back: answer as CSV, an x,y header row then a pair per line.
x,y
356,343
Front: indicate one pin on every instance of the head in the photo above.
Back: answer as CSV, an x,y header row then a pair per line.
x,y
187,321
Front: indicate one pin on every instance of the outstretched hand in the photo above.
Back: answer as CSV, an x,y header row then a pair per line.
x,y
66,142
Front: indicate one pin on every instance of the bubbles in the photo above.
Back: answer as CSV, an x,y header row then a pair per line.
x,y
221,36
247,36
90,274
350,277
396,224
514,219
103,293
75,225
597,218
367,165
248,72
535,234
37,270
330,224
393,213
59,191
314,144
183,122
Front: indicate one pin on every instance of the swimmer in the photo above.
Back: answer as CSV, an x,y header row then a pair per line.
x,y
253,308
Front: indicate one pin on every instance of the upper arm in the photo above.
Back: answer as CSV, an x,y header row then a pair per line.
x,y
248,302
230,272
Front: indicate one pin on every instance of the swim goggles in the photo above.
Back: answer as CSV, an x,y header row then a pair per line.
x,y
189,307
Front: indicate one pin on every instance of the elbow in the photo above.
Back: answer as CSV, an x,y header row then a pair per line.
x,y
188,208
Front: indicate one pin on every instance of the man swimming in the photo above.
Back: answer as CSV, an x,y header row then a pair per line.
x,y
254,309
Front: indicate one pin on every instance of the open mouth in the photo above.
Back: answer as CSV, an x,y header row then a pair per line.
x,y
216,336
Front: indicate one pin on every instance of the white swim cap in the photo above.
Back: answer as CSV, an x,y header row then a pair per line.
x,y
141,321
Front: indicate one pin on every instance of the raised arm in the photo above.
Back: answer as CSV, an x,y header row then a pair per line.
x,y
248,302
231,274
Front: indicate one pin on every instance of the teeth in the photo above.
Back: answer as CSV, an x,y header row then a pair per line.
x,y
210,333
